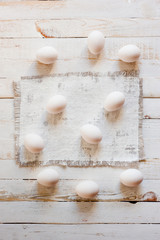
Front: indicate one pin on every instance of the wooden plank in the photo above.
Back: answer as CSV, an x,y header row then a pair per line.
x,y
18,29
6,90
20,54
151,133
151,87
79,232
151,108
86,9
110,190
132,27
79,212
25,49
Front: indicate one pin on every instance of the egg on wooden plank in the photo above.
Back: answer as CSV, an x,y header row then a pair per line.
x,y
91,133
48,177
56,104
131,177
33,143
87,189
114,101
96,42
129,53
46,55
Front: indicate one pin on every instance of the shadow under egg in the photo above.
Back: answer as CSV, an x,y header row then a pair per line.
x,y
90,150
114,116
92,58
130,69
85,208
130,193
53,119
29,157
44,191
37,68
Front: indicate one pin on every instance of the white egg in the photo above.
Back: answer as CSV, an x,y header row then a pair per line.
x,y
48,177
46,55
33,143
114,101
131,177
129,53
87,189
56,104
91,134
96,42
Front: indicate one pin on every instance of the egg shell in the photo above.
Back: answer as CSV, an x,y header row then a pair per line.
x,y
46,55
56,104
33,143
129,53
87,189
91,134
96,42
131,177
114,101
48,177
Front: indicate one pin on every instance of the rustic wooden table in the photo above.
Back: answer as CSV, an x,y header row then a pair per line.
x,y
28,211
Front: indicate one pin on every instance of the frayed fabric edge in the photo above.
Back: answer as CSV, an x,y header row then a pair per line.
x,y
72,163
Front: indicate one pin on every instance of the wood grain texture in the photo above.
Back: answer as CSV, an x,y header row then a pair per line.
x,y
80,27
76,49
136,27
151,108
79,212
19,57
79,232
88,9
64,191
151,132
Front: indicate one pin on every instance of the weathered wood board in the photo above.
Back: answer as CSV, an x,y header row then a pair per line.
x,y
79,212
88,231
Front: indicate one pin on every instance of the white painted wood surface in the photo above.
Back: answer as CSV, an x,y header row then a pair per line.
x,y
79,232
79,212
29,190
132,27
58,212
